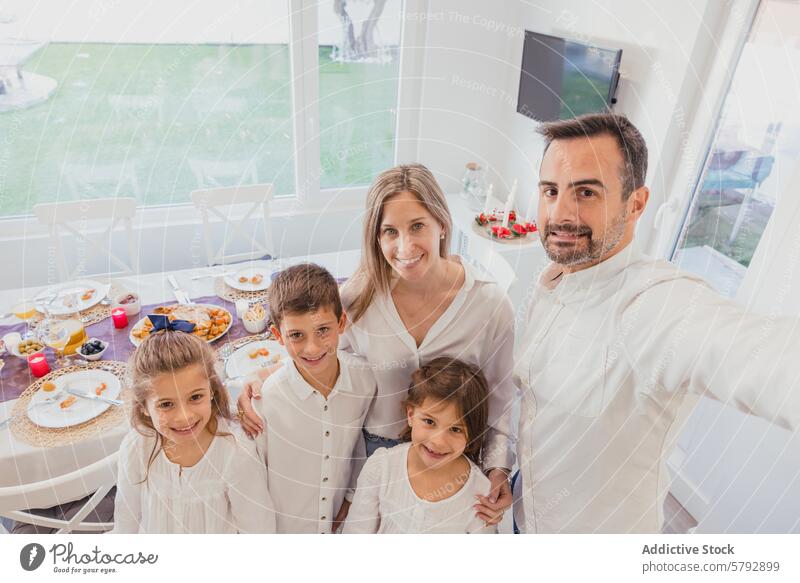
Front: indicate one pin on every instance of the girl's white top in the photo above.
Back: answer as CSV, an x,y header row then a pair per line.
x,y
386,503
477,327
225,492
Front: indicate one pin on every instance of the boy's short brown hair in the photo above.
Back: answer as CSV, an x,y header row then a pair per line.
x,y
301,289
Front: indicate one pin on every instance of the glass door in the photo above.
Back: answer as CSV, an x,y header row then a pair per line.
x,y
756,145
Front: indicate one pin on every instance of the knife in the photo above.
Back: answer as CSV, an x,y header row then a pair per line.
x,y
180,295
116,402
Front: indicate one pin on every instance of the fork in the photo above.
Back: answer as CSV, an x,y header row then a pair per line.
x,y
47,401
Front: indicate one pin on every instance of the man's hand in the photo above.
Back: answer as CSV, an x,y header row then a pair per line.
x,y
252,423
491,508
341,515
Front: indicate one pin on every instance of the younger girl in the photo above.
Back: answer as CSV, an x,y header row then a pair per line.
x,y
186,467
430,484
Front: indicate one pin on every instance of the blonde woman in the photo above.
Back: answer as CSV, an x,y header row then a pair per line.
x,y
410,302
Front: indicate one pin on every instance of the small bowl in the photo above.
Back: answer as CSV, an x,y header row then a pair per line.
x,y
254,325
14,349
96,355
132,308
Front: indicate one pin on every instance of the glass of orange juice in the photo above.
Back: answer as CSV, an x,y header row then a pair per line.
x,y
77,335
25,311
64,336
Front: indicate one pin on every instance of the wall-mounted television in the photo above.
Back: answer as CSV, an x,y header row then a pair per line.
x,y
562,78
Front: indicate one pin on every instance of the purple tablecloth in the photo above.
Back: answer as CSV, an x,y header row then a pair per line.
x,y
16,377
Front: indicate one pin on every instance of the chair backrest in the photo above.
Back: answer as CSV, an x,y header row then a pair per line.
x,y
221,202
485,254
96,479
68,217
94,180
213,173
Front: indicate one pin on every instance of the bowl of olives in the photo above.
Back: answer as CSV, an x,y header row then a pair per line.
x,y
26,347
93,349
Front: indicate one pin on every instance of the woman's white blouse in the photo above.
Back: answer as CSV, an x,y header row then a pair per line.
x,y
477,327
385,502
225,492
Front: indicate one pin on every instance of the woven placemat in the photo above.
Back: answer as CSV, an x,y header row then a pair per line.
x,y
95,314
226,292
25,430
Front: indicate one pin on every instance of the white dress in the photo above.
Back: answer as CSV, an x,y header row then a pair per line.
x,y
225,492
385,502
477,327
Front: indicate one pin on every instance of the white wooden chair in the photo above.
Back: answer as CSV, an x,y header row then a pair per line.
x,y
222,203
96,480
67,218
95,180
219,173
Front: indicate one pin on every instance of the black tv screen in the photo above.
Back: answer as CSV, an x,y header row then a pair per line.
x,y
561,78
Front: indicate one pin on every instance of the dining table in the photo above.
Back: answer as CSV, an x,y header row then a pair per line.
x,y
22,462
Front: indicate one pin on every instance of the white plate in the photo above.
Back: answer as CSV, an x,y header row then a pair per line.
x,y
66,298
239,363
86,381
136,342
263,269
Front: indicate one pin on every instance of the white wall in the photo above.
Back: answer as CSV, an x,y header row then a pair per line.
x,y
473,66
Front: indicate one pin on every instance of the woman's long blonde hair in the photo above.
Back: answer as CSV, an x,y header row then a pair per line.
x,y
167,352
374,272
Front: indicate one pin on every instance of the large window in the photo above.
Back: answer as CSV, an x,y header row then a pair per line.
x,y
154,101
359,62
753,154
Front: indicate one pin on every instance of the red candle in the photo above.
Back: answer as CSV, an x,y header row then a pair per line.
x,y
38,364
120,318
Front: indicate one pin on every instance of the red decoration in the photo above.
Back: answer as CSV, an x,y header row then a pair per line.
x,y
484,219
501,232
530,227
119,317
38,364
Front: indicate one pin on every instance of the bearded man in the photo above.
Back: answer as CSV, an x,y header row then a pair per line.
x,y
615,340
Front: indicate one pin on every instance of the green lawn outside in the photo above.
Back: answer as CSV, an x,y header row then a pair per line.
x,y
138,114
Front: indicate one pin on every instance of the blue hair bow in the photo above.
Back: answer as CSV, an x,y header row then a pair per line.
x,y
162,322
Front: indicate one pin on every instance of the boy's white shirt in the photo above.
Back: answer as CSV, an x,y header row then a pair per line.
x,y
313,447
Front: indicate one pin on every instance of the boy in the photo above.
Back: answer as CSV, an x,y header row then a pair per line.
x,y
313,407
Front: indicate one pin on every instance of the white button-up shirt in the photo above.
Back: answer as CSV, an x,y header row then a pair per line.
x,y
385,502
477,327
606,359
312,446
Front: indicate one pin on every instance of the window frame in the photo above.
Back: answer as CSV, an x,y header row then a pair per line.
x,y
304,65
